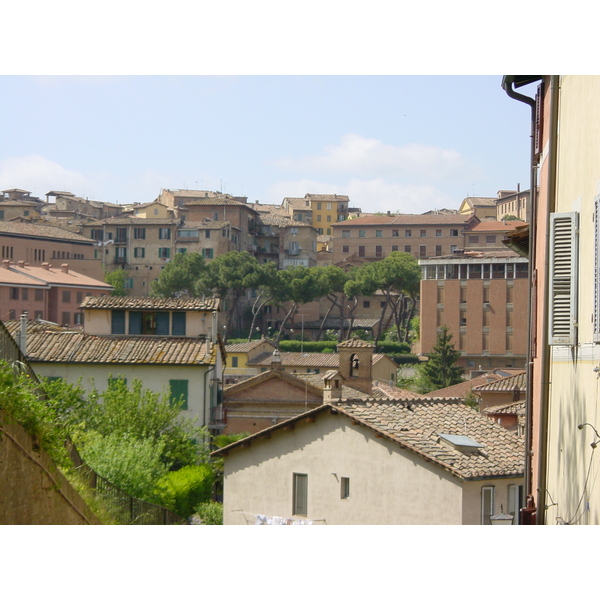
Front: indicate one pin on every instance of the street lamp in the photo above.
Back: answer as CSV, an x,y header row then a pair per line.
x,y
501,518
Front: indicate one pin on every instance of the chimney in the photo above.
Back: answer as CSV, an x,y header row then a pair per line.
x,y
64,268
21,263
6,264
23,333
276,361
46,266
389,213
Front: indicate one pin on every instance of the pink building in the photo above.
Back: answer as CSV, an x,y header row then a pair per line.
x,y
45,292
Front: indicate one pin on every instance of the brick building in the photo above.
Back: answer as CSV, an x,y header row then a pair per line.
x,y
482,298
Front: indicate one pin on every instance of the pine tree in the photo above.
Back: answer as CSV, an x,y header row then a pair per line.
x,y
440,370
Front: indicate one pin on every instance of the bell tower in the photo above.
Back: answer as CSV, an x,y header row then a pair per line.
x,y
356,363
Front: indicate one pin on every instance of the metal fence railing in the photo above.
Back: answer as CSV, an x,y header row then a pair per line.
x,y
121,506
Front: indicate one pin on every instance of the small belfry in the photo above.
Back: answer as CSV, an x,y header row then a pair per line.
x,y
356,361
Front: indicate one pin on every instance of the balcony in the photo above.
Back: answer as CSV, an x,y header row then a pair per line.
x,y
293,251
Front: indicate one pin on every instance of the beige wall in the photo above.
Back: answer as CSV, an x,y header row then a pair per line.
x,y
472,498
387,484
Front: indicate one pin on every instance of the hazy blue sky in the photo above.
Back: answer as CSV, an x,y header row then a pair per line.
x,y
408,143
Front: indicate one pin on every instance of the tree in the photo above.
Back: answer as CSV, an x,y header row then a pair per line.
x,y
180,276
509,218
117,280
441,370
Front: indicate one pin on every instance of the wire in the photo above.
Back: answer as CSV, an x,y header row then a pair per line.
x,y
571,521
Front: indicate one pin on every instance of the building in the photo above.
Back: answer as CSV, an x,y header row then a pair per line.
x,y
375,462
484,236
45,292
481,207
373,238
170,345
513,203
563,244
238,356
35,244
482,298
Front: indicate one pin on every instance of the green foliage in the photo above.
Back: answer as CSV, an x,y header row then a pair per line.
x,y
509,218
182,491
144,414
415,328
180,276
297,346
471,400
393,347
440,370
22,400
133,465
210,513
403,359
117,279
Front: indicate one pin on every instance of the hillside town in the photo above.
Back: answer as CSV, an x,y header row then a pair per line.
x,y
315,363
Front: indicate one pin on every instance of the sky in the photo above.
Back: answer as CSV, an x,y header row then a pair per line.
x,y
398,143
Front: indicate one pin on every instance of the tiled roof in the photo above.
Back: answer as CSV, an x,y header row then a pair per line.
x,y
69,346
54,276
514,408
136,303
217,202
472,254
273,219
495,226
457,219
355,343
44,231
460,390
197,194
327,197
132,221
481,201
317,360
506,384
246,346
298,203
416,425
205,224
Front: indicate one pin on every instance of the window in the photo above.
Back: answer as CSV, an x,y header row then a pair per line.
x,y
378,233
408,233
1,215
319,205
329,218
164,233
438,250
208,253
181,250
139,233
66,296
24,294
345,488
39,295
117,322
128,283
319,218
490,239
294,230
115,381
422,233
121,255
234,362
563,279
345,249
487,504
473,239
345,233
361,250
362,233
300,492
164,252
121,234
453,248
320,230
515,502
12,315
394,233
207,233
78,318
178,323
38,314
79,297
383,304
394,248
66,318
438,233
408,249
97,234
329,206
139,252
14,293
422,251
329,231
378,251
366,304
454,233
179,392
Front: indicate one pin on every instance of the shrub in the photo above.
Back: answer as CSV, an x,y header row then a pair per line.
x,y
297,346
210,513
182,491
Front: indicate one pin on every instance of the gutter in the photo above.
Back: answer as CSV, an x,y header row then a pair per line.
x,y
508,82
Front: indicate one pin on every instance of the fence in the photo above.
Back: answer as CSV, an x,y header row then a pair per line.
x,y
122,507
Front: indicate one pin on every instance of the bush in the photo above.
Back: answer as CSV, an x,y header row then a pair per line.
x,y
404,359
296,346
393,347
210,513
182,491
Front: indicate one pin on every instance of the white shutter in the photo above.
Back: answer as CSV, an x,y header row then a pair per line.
x,y
564,230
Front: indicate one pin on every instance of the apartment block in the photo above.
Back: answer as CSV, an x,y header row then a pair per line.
x,y
482,298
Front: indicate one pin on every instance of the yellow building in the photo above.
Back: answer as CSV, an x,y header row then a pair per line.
x,y
326,210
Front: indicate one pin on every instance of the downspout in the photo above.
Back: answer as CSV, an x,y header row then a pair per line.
x,y
531,216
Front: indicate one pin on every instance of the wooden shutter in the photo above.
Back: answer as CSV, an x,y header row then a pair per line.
x,y
178,323
135,323
162,323
564,233
179,392
118,322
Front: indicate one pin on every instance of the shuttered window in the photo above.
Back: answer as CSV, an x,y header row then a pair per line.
x,y
179,392
487,504
178,323
300,495
118,322
563,279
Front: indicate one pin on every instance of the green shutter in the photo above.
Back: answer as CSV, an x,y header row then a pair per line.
x,y
178,323
135,323
118,322
162,323
179,392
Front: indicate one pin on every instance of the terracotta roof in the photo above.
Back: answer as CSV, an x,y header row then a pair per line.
x,y
514,408
54,276
197,193
473,254
328,197
273,219
317,360
131,221
456,219
298,203
217,202
505,384
500,226
460,390
355,343
205,224
135,303
43,231
247,346
481,201
48,344
416,425
261,377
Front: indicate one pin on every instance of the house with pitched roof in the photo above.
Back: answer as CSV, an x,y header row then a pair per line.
x,y
238,356
375,462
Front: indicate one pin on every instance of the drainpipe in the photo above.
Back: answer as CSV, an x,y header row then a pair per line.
x,y
23,334
531,216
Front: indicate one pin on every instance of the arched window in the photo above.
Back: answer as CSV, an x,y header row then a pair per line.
x,y
354,364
